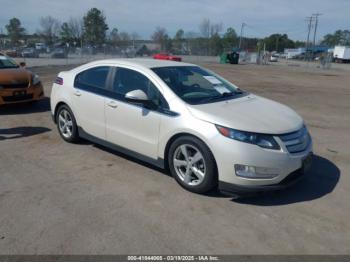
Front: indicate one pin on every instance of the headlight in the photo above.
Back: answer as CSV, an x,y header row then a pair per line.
x,y
35,80
265,141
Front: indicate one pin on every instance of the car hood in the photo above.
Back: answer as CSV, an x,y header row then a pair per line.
x,y
14,76
250,113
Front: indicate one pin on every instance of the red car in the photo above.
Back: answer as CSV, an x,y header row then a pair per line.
x,y
163,56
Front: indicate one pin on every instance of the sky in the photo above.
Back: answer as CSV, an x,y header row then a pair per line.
x,y
263,17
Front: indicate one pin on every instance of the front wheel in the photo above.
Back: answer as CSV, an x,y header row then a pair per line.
x,y
192,164
66,124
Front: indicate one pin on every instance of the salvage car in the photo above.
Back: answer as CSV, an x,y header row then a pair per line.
x,y
59,53
164,56
179,116
30,53
18,84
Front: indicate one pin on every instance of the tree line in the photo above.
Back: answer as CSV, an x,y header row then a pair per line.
x,y
93,30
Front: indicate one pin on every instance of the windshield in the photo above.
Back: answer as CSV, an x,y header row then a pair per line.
x,y
6,62
195,85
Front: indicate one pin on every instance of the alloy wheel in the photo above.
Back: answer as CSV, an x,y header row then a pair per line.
x,y
65,123
189,164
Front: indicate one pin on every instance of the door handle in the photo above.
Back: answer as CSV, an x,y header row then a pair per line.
x,y
112,104
77,93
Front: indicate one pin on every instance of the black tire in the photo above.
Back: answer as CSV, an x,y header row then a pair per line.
x,y
74,138
210,179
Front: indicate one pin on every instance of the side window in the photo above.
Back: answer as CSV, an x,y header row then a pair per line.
x,y
92,79
127,80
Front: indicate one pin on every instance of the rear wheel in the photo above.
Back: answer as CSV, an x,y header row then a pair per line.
x,y
192,164
66,124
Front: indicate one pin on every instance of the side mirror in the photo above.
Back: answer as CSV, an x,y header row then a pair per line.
x,y
139,97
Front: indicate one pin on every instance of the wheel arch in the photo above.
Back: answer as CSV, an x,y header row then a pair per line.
x,y
58,105
181,134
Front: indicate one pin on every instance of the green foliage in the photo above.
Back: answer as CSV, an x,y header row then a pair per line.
x,y
15,30
339,37
215,45
278,42
178,41
230,39
66,33
95,27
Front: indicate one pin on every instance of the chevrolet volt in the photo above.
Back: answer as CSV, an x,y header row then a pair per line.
x,y
208,132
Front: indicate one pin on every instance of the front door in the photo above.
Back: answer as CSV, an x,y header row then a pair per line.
x,y
129,125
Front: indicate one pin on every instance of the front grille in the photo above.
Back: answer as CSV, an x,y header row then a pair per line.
x,y
17,98
296,142
14,86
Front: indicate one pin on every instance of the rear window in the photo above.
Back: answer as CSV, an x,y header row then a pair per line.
x,y
92,78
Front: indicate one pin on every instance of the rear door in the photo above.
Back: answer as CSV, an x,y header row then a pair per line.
x,y
90,87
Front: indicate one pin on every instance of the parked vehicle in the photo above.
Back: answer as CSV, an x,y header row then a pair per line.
x,y
164,56
18,84
59,53
341,54
40,47
11,52
273,58
206,130
30,53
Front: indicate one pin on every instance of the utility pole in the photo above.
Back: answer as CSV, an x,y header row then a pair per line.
x,y
277,42
240,38
309,20
316,24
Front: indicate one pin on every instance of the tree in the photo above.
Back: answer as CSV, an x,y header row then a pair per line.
x,y
114,36
49,28
339,37
230,38
124,39
209,30
95,27
215,29
204,28
278,42
76,28
216,46
15,30
161,37
178,41
71,31
66,33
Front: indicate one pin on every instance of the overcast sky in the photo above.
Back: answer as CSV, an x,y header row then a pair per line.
x,y
143,16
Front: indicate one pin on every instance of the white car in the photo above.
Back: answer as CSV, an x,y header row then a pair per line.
x,y
273,58
179,116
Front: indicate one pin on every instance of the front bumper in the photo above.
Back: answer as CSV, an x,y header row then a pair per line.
x,y
228,152
21,95
289,181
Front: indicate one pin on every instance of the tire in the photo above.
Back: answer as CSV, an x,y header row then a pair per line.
x,y
68,132
198,173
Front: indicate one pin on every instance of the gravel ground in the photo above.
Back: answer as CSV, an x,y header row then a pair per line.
x,y
59,198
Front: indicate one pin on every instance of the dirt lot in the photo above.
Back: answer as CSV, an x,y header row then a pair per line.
x,y
58,198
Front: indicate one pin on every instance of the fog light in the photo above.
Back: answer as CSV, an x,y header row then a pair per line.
x,y
255,172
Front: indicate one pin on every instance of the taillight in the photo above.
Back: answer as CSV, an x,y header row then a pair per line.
x,y
59,80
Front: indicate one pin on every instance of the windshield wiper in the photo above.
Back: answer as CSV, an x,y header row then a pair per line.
x,y
223,95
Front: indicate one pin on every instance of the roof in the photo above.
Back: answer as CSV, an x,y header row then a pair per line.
x,y
145,62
